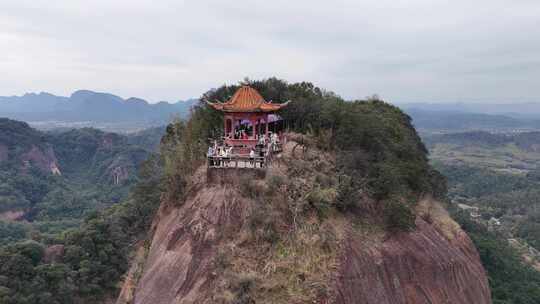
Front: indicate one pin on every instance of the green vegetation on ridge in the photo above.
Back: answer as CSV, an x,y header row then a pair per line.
x,y
378,151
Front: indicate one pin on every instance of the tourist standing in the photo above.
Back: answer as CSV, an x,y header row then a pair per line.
x,y
210,155
252,157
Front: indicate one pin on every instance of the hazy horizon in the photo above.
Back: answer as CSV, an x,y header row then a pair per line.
x,y
408,51
399,103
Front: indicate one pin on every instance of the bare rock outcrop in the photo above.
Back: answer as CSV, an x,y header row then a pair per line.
x,y
417,267
4,153
12,215
236,240
436,263
118,174
54,254
42,158
179,267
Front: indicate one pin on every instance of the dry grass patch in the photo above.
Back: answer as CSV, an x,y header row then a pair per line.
x,y
434,213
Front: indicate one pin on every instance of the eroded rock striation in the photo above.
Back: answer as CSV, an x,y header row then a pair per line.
x,y
202,251
417,267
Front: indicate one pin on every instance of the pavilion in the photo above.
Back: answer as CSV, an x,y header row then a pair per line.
x,y
246,117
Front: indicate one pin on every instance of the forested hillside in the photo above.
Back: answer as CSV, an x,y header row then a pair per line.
x,y
493,182
60,195
51,181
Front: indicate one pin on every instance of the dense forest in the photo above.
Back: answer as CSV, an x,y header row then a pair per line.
x,y
72,208
511,281
95,170
93,256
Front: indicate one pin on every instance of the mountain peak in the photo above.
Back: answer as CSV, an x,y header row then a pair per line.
x,y
81,93
86,94
135,100
90,107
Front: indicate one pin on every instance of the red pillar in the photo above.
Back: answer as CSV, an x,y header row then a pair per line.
x,y
266,124
225,125
253,121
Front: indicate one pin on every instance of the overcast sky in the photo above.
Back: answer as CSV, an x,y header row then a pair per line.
x,y
404,51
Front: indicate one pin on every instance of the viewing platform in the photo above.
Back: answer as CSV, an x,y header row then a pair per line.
x,y
238,158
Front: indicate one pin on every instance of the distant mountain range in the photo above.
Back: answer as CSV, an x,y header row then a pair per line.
x,y
474,116
89,106
530,110
464,121
114,114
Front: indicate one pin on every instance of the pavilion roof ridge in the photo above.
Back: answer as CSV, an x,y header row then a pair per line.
x,y
247,99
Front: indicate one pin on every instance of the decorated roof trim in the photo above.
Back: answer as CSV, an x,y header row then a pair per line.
x,y
247,99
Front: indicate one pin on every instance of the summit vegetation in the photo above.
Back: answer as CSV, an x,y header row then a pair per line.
x,y
378,152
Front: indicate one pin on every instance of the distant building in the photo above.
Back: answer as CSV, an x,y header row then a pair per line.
x,y
494,222
473,211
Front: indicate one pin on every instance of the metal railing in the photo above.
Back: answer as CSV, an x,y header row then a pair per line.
x,y
237,161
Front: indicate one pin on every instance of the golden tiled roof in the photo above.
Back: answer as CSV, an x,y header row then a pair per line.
x,y
247,99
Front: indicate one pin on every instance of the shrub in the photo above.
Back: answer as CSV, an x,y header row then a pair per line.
x,y
249,187
274,183
241,286
32,250
399,216
321,200
347,194
325,180
262,225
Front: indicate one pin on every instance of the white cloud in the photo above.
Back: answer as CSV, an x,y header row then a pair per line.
x,y
416,50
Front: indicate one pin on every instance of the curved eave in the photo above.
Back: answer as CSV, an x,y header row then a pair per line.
x,y
248,111
215,105
266,107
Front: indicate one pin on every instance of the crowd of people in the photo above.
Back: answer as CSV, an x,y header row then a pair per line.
x,y
221,155
241,134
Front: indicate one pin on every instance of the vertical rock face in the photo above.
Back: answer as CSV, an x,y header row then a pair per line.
x,y
180,263
3,152
118,174
54,254
418,267
432,264
42,158
424,266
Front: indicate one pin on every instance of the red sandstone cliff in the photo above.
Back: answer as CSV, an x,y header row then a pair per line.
x,y
418,267
207,250
42,158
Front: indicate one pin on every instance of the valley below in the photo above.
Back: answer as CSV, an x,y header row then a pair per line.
x,y
493,190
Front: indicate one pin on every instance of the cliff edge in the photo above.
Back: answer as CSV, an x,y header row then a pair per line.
x,y
241,238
